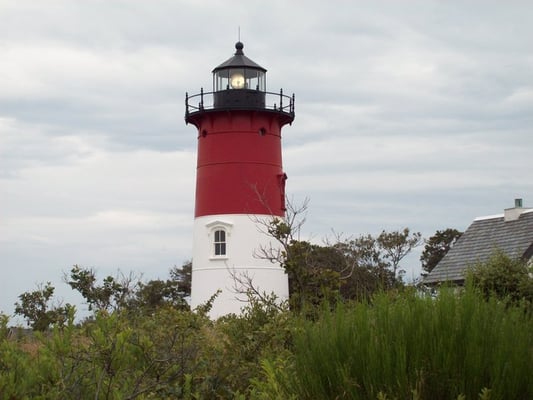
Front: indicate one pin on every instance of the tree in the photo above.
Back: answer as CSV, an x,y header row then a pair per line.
x,y
157,293
172,292
313,270
38,311
396,245
183,277
110,295
437,246
315,274
353,268
369,271
114,294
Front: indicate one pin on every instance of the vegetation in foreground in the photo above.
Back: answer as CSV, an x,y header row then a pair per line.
x,y
362,335
398,345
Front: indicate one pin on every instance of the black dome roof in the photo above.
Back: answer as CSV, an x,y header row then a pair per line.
x,y
239,60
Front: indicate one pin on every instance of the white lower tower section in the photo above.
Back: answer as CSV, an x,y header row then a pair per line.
x,y
225,250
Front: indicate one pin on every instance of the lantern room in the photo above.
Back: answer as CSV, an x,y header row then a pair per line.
x,y
238,84
239,72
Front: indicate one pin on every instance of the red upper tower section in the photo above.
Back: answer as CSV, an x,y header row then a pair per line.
x,y
239,169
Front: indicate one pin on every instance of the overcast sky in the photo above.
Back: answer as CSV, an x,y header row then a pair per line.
x,y
411,114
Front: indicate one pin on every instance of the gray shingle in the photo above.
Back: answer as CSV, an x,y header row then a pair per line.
x,y
481,239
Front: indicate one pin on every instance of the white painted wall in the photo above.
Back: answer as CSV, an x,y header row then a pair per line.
x,y
209,273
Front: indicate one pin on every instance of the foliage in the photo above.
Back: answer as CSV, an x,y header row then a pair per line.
x,y
167,354
504,277
157,293
407,346
112,294
396,245
399,345
369,270
313,275
314,272
36,308
346,269
171,292
437,246
113,357
263,328
17,376
369,337
4,330
183,276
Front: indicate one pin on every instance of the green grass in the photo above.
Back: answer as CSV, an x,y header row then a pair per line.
x,y
412,347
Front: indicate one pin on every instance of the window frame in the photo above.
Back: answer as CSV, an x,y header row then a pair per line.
x,y
215,243
219,243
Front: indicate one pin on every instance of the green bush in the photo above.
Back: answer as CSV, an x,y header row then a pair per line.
x,y
264,328
507,278
167,354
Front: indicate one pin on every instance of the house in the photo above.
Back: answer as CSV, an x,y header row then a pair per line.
x,y
510,232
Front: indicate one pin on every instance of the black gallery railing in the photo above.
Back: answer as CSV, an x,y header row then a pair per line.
x,y
208,101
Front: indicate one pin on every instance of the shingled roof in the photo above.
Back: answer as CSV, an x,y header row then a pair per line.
x,y
511,233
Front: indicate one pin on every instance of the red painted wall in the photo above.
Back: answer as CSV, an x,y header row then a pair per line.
x,y
239,169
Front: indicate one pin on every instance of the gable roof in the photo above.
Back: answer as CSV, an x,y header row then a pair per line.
x,y
480,240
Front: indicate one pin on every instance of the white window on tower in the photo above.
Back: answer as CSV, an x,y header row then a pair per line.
x,y
219,235
220,243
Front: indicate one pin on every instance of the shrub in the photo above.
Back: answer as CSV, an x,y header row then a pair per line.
x,y
504,277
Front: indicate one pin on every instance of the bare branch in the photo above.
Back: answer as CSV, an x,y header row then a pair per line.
x,y
283,230
243,285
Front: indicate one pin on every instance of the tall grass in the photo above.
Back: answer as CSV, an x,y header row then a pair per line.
x,y
412,347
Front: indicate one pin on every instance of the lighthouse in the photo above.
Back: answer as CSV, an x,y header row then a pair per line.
x,y
240,184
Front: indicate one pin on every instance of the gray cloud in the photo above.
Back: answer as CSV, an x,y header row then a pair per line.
x,y
408,114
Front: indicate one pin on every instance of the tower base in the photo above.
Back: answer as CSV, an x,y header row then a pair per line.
x,y
234,264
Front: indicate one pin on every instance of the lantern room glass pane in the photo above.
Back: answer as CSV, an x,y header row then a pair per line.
x,y
253,79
